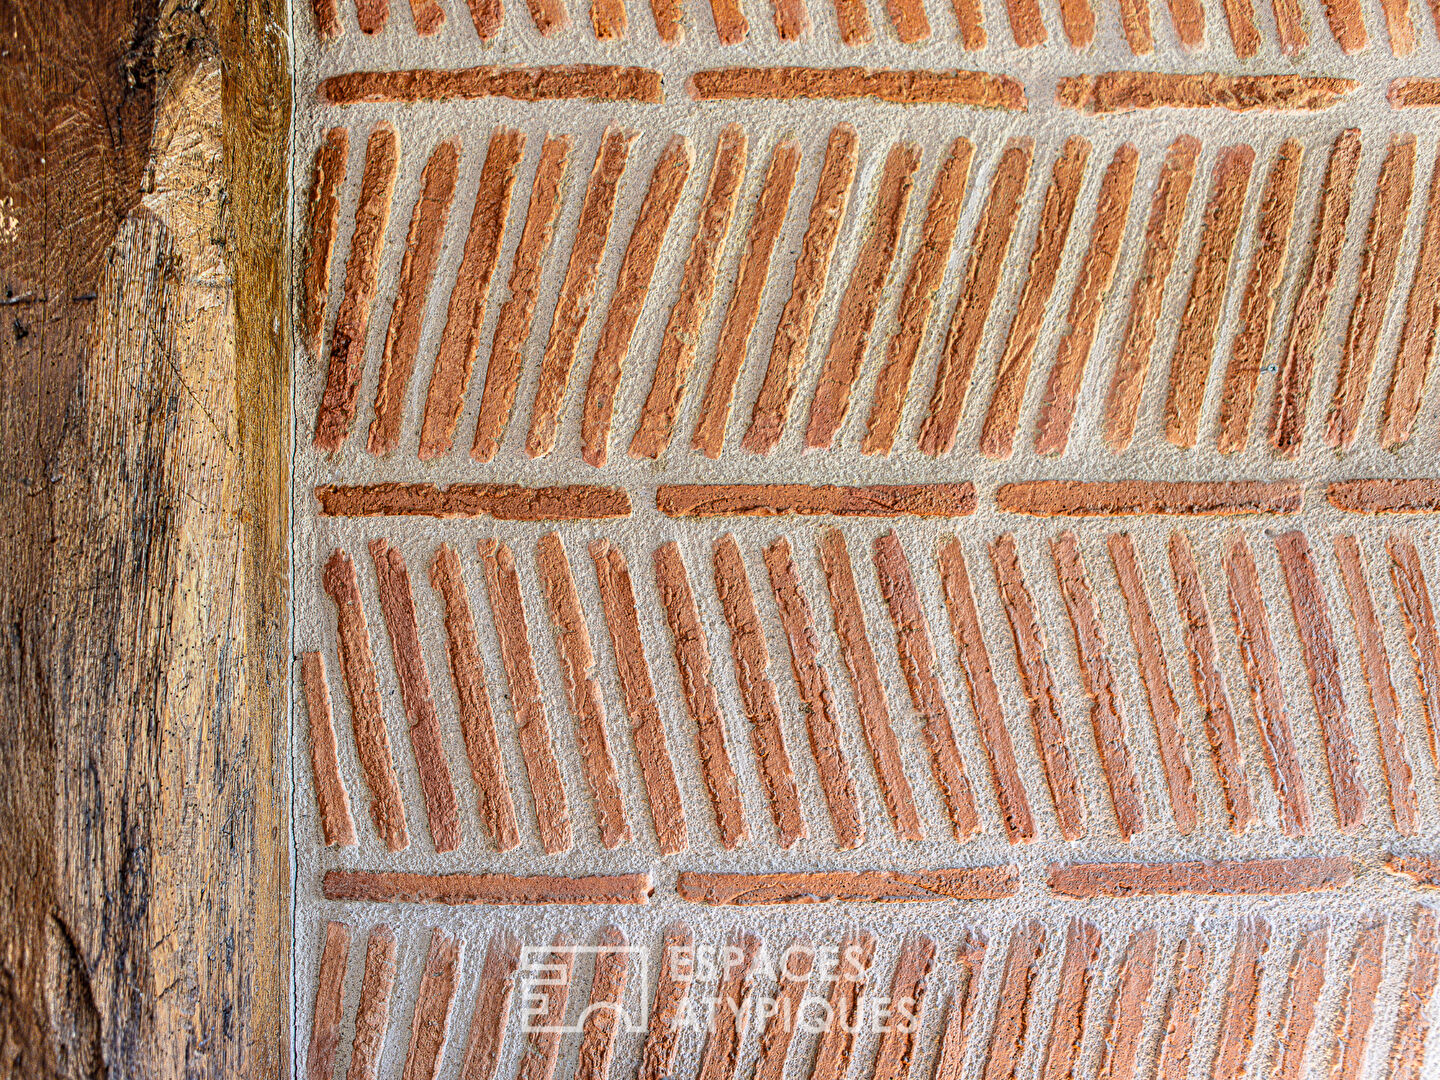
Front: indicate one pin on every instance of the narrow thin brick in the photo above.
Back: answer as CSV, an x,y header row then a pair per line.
x,y
1136,24
582,691
744,307
346,364
1385,496
1027,27
492,1008
372,1014
543,1039
1236,877
1241,1000
970,17
1356,1016
730,23
1087,302
779,1033
767,500
1078,19
984,694
917,661
549,16
372,15
572,309
1399,26
488,889
669,18
1155,674
1210,692
429,16
861,302
397,604
697,287
417,269
1414,93
487,15
602,1010
1347,23
792,334
537,747
562,82
989,248
465,316
997,436
608,19
792,19
1126,1022
1290,27
647,729
837,1042
503,502
1377,277
813,682
960,1011
1412,1025
517,314
672,997
692,660
1072,498
329,1002
431,1023
853,17
1418,338
1257,309
1107,715
895,1049
732,1007
494,805
336,822
1375,663
1188,18
979,89
323,220
327,18
1008,1036
1322,663
372,741
1302,995
757,692
1307,322
1045,720
1162,236
1182,1008
849,886
1422,870
632,285
1267,689
909,20
866,687
1244,32
1414,596
1195,346
1067,1026
917,301
1129,91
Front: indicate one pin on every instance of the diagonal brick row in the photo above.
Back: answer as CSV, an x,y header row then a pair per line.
x,y
816,385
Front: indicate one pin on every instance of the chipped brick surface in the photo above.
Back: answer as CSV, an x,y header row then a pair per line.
x,y
780,638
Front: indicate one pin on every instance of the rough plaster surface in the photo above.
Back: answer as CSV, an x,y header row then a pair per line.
x,y
421,126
